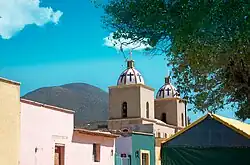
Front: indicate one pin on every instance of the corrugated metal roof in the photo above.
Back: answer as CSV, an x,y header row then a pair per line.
x,y
238,126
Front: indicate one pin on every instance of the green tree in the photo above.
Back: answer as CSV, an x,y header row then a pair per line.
x,y
206,42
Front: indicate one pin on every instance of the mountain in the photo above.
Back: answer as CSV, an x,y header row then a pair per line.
x,y
89,102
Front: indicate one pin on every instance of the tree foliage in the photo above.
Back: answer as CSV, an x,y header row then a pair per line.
x,y
209,48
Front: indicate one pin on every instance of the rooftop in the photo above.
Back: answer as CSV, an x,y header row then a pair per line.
x,y
34,103
9,81
238,126
96,133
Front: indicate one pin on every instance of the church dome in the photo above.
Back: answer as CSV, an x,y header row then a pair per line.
x,y
130,75
167,90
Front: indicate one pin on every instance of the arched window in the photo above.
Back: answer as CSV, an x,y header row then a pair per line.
x,y
159,134
147,110
182,119
124,109
164,117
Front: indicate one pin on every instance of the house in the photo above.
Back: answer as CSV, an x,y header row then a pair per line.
x,y
46,133
9,122
92,147
135,148
48,137
212,139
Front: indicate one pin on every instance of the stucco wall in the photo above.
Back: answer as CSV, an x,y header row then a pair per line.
x,y
173,107
209,133
169,107
163,130
181,110
129,94
136,97
158,150
147,95
9,122
82,149
143,142
123,123
42,128
123,145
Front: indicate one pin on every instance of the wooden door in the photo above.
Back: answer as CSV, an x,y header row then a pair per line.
x,y
59,155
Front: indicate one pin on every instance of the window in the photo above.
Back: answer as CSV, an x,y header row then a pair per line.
x,y
164,117
182,119
124,110
96,152
166,135
159,134
147,110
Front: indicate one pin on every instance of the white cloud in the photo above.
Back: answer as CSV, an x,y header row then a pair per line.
x,y
16,14
116,43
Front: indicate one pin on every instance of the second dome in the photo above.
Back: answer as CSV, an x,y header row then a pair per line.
x,y
167,90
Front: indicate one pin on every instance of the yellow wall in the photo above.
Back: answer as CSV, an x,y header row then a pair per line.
x,y
157,151
9,122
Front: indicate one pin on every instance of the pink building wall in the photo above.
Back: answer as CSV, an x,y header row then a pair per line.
x,y
82,149
43,127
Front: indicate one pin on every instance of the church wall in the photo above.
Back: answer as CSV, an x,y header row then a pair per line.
x,y
145,128
9,122
122,123
168,106
41,129
180,111
147,95
165,131
118,95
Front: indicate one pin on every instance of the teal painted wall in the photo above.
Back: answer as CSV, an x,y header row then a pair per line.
x,y
142,142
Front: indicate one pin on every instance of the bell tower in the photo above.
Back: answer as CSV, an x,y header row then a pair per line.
x,y
169,107
130,101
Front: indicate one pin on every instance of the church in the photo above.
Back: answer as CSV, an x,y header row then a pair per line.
x,y
133,106
134,112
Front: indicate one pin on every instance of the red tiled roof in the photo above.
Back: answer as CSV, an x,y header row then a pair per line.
x,y
96,133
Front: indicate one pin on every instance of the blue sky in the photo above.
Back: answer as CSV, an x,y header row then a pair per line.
x,y
62,41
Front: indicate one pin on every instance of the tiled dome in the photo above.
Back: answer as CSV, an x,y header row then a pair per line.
x,y
167,90
130,75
